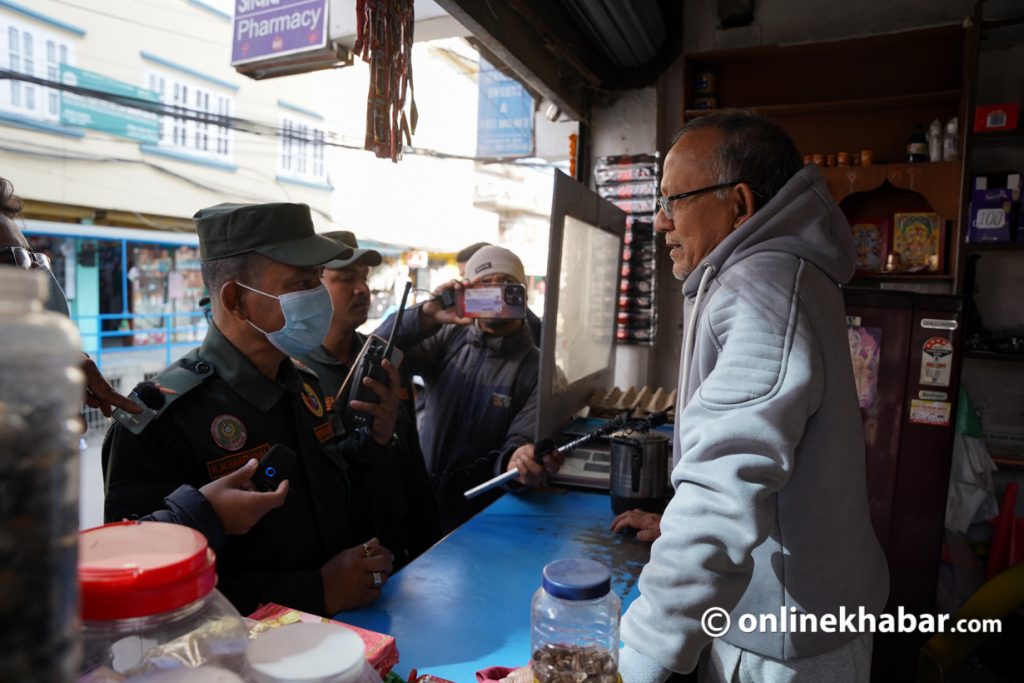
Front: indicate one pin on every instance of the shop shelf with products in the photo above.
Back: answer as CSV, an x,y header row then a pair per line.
x,y
991,273
852,96
631,183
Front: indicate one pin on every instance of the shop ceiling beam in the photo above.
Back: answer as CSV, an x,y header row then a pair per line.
x,y
543,49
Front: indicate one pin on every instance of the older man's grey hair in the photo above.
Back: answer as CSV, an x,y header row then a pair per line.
x,y
753,150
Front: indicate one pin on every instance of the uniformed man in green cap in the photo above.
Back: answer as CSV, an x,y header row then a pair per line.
x,y
396,503
238,394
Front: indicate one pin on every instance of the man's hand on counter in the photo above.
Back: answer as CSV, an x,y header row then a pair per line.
x,y
646,524
531,472
353,578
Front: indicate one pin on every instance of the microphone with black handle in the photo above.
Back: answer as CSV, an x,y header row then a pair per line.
x,y
146,395
545,446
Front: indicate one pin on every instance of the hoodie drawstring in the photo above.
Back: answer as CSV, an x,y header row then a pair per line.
x,y
688,340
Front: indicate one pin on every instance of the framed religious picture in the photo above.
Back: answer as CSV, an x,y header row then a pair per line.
x,y
871,242
918,239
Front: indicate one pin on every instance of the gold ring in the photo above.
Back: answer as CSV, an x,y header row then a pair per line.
x,y
367,550
378,579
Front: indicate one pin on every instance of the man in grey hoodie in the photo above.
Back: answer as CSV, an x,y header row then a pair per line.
x,y
769,514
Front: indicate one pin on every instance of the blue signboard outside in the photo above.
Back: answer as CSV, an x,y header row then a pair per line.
x,y
504,115
104,115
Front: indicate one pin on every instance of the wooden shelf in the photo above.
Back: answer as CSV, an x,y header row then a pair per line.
x,y
863,104
938,181
994,355
999,23
921,277
993,247
997,139
1007,463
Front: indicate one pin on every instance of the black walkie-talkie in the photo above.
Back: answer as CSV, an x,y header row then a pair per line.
x,y
370,366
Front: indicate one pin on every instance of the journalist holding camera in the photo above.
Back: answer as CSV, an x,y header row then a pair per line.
x,y
480,366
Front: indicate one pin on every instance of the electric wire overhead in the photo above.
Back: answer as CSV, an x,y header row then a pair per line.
x,y
240,124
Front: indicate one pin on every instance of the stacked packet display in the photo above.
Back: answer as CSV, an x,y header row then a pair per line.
x,y
631,183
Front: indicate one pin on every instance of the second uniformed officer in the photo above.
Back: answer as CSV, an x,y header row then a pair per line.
x,y
396,503
238,394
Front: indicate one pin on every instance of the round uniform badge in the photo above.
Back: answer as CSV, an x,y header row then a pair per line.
x,y
228,432
311,400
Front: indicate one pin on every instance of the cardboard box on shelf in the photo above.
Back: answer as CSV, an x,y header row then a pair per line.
x,y
995,201
996,117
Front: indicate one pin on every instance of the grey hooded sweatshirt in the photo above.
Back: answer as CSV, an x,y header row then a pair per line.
x,y
770,506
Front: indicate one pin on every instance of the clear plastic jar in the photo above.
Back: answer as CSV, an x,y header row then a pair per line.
x,y
203,674
40,396
574,624
149,602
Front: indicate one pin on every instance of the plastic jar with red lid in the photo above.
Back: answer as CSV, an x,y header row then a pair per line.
x,y
149,603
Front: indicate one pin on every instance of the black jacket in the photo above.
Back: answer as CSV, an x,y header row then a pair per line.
x,y
481,404
222,412
394,503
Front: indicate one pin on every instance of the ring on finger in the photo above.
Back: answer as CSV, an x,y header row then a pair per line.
x,y
378,579
367,550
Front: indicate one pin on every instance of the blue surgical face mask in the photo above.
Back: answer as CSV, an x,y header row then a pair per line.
x,y
307,319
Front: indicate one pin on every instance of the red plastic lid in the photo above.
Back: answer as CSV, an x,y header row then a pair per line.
x,y
139,569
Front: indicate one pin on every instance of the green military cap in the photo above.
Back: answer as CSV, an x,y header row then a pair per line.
x,y
370,257
281,231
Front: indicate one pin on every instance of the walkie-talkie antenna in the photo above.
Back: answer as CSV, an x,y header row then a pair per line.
x,y
398,320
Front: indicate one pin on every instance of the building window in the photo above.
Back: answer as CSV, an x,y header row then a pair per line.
x,y
52,74
30,69
14,63
203,126
302,151
32,51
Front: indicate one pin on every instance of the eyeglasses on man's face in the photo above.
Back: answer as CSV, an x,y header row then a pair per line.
x,y
23,258
666,203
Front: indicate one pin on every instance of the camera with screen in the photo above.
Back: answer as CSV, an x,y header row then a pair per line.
x,y
491,301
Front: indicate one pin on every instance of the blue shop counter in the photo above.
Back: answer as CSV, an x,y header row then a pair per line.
x,y
464,605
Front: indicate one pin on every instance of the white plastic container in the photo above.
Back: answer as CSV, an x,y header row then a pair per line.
x,y
309,653
40,396
574,624
149,602
202,674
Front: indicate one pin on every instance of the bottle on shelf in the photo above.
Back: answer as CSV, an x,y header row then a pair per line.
x,y
935,139
917,145
951,140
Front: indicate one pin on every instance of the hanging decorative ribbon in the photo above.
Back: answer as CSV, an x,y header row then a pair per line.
x,y
384,41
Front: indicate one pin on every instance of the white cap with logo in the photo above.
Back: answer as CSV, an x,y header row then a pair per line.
x,y
494,259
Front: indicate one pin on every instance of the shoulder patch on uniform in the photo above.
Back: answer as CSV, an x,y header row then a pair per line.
x,y
177,380
302,367
312,400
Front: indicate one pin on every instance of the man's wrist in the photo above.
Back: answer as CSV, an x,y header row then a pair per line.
x,y
389,442
427,318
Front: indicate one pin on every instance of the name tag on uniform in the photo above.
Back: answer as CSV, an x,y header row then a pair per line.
x,y
324,432
229,463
